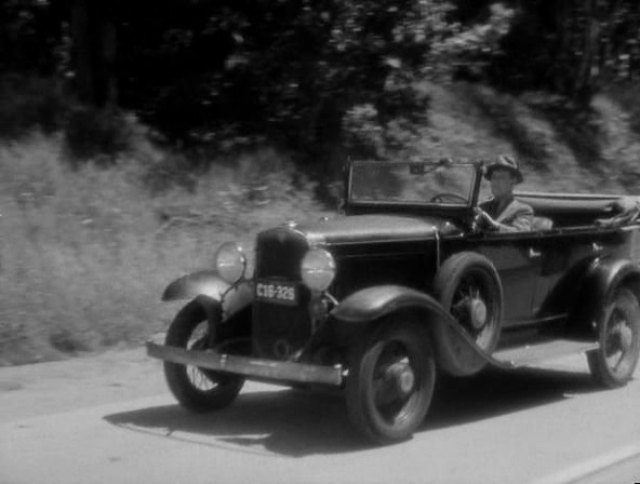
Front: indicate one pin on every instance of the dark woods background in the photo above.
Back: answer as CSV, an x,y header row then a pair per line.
x,y
320,78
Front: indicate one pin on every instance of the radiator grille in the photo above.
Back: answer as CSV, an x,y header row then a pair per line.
x,y
280,330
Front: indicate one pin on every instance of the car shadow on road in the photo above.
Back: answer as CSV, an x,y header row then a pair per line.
x,y
296,423
496,392
284,422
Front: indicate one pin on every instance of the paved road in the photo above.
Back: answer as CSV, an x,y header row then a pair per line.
x,y
535,426
626,471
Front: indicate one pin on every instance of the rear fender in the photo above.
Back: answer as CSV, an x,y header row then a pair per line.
x,y
211,291
603,276
365,307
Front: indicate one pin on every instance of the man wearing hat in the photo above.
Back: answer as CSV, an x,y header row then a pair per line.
x,y
503,213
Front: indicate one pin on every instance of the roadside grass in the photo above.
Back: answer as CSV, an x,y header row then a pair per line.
x,y
86,253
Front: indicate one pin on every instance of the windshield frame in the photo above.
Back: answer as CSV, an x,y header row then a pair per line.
x,y
471,202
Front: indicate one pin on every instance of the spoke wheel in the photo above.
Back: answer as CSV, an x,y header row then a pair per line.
x,y
613,363
390,382
472,307
469,287
196,388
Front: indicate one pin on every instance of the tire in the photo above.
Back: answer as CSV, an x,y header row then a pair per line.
x,y
613,363
468,286
395,358
197,389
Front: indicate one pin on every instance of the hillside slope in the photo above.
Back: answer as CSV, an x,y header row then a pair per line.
x,y
560,150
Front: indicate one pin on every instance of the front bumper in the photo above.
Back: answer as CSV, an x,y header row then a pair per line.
x,y
259,368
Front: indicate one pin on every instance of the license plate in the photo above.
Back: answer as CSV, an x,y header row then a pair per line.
x,y
277,292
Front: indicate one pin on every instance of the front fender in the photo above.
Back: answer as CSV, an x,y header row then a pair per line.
x,y
603,276
367,305
207,283
606,274
376,302
210,287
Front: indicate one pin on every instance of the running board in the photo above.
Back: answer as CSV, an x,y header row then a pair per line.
x,y
533,354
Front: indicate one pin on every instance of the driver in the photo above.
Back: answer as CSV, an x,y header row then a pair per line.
x,y
503,213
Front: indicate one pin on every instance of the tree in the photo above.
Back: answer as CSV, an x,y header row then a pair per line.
x,y
288,70
572,47
93,51
30,33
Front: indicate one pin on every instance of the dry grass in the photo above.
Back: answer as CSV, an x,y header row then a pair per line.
x,y
86,253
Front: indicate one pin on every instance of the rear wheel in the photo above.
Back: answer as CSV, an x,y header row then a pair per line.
x,y
391,380
613,363
196,388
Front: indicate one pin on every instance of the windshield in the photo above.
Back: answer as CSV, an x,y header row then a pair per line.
x,y
440,183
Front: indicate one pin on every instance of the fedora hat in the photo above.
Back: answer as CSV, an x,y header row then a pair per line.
x,y
504,162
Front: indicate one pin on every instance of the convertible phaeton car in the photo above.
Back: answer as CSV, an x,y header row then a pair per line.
x,y
403,287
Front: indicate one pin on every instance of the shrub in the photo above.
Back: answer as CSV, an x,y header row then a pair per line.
x,y
100,135
30,102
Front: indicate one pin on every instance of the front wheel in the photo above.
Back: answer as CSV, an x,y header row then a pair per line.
x,y
613,363
390,382
197,389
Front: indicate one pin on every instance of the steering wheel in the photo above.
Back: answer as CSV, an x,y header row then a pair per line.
x,y
440,198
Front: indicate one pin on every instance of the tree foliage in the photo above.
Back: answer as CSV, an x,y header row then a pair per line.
x,y
312,75
573,47
286,69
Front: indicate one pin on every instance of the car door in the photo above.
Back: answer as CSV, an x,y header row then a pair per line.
x,y
517,258
565,256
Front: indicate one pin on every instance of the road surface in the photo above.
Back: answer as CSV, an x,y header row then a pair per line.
x,y
110,419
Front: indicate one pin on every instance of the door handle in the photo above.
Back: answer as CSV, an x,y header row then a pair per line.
x,y
533,253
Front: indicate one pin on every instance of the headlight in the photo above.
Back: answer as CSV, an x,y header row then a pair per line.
x,y
231,262
318,269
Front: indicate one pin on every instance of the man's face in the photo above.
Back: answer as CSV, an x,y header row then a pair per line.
x,y
502,183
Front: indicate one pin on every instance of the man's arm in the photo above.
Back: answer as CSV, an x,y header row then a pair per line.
x,y
519,220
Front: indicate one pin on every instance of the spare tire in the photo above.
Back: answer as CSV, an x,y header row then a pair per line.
x,y
468,286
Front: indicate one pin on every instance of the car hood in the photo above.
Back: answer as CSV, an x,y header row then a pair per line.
x,y
374,228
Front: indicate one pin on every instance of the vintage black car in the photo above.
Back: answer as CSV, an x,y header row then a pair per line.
x,y
404,287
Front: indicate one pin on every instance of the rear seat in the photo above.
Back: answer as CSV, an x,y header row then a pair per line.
x,y
576,210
